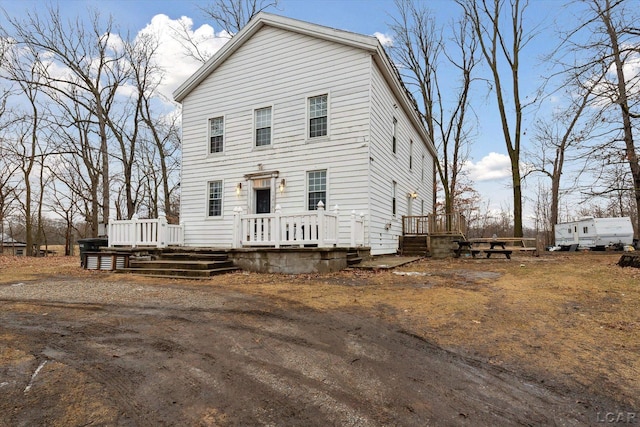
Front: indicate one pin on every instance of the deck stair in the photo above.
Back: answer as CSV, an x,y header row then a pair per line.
x,y
353,257
414,245
191,265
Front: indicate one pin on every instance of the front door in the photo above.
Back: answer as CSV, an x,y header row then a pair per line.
x,y
263,201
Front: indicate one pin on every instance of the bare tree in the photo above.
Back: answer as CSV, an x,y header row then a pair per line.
x,y
25,71
229,16
501,46
604,45
419,49
91,59
162,130
612,15
232,15
566,130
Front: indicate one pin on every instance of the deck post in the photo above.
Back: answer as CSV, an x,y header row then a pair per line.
x,y
320,224
336,235
276,226
353,229
136,231
237,228
162,231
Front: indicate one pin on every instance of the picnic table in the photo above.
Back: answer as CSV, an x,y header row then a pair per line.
x,y
495,247
463,245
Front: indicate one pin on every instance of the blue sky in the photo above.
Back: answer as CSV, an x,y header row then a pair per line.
x,y
488,153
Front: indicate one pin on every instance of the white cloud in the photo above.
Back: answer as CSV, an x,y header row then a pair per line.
x,y
384,39
171,55
493,166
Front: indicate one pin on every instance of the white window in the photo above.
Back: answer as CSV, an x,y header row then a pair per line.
x,y
263,127
393,198
216,135
215,199
395,132
316,188
410,155
318,116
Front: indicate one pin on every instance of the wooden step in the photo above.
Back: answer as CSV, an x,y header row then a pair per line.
x,y
180,264
194,256
178,273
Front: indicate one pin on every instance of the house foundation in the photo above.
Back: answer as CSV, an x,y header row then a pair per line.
x,y
294,260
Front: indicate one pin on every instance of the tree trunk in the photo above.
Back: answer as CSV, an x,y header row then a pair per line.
x,y
627,127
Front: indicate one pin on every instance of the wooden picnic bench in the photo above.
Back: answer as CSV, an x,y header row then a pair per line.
x,y
463,245
505,252
488,252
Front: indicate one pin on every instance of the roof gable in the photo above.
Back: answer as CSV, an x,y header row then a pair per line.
x,y
262,19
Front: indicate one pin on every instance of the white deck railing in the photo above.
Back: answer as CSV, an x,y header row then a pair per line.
x,y
357,230
277,229
145,232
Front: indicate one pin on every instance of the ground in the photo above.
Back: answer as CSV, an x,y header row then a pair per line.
x,y
551,340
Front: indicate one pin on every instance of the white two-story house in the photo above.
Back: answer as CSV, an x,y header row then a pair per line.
x,y
289,114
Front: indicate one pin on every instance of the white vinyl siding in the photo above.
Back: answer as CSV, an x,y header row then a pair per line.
x,y
263,127
216,135
283,70
389,167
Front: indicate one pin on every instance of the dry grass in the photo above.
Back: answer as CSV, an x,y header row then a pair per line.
x,y
569,319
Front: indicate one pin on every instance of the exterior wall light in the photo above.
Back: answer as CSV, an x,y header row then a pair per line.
x,y
238,188
282,183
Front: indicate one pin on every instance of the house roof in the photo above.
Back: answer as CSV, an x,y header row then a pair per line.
x,y
367,43
8,240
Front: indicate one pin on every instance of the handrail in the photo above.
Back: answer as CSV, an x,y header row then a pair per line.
x,y
145,232
277,229
448,224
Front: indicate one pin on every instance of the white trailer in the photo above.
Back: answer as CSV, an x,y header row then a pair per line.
x,y
595,233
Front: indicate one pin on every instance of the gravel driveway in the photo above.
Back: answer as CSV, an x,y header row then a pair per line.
x,y
79,352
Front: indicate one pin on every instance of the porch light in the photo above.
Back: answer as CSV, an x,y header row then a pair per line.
x,y
282,182
413,195
238,188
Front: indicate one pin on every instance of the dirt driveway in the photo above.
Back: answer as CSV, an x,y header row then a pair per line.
x,y
90,349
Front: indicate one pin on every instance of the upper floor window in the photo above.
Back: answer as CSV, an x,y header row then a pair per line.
x,y
410,154
317,188
393,198
215,199
318,115
216,135
395,133
263,126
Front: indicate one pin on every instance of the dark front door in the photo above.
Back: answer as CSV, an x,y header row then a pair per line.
x,y
263,201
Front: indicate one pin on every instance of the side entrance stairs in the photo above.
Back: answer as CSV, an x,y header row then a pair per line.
x,y
414,246
183,265
353,257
